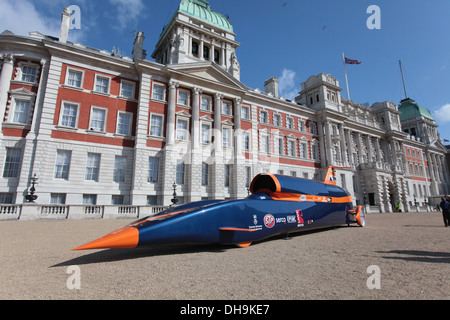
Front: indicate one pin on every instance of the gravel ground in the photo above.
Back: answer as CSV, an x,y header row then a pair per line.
x,y
410,249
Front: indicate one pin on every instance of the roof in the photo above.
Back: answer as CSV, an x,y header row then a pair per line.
x,y
410,109
200,9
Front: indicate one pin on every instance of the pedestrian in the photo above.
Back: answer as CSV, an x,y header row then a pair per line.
x,y
445,206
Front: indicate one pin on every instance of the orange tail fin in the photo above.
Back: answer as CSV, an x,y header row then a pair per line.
x,y
330,178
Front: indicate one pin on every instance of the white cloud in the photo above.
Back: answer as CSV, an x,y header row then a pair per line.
x,y
21,17
127,12
442,115
286,84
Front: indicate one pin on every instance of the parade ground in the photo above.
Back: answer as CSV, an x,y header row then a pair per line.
x,y
396,256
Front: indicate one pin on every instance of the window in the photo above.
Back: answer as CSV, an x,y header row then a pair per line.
x,y
205,173
98,119
303,148
246,140
245,113
127,89
124,121
182,127
92,166
226,108
6,198
74,78
156,123
205,104
153,168
279,146
216,56
263,117
301,125
264,143
152,200
29,73
195,49
69,115
117,200
21,111
228,174
102,84
62,164
183,98
58,198
314,152
119,169
12,163
248,176
291,148
205,52
206,133
90,199
158,92
180,173
226,137
276,120
289,123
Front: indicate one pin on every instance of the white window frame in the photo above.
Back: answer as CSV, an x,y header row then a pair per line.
x,y
289,123
19,72
162,125
21,95
97,76
153,173
209,104
59,174
70,69
11,169
61,114
264,147
277,120
248,112
130,124
93,171
291,147
180,136
163,87
227,139
279,145
230,108
303,150
119,174
209,134
266,120
188,97
104,122
133,89
246,136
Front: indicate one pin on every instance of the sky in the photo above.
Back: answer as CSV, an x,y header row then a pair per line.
x,y
289,39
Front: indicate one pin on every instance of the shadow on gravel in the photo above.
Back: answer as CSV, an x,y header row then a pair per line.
x,y
111,255
416,255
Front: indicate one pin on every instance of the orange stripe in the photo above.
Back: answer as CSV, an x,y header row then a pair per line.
x,y
307,197
237,229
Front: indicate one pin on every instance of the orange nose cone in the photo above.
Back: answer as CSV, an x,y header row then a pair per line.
x,y
127,237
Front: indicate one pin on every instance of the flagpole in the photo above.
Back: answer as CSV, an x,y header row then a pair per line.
x,y
346,78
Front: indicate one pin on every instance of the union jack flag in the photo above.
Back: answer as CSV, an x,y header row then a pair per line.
x,y
351,61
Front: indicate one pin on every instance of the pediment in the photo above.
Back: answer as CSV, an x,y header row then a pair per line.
x,y
210,72
22,92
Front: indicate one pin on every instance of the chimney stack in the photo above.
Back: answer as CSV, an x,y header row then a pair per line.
x,y
65,25
271,86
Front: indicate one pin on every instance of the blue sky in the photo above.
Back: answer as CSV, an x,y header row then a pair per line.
x,y
290,39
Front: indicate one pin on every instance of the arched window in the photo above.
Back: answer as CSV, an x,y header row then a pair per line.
x,y
216,56
205,53
194,48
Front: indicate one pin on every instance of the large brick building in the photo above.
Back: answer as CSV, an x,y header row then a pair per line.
x,y
101,129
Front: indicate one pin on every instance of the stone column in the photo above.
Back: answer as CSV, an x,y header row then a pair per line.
x,y
170,127
196,118
343,148
218,122
329,145
5,80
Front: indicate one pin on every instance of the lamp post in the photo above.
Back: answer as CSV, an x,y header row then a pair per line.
x,y
174,199
31,197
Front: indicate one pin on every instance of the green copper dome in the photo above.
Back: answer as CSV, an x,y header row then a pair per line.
x,y
410,109
200,9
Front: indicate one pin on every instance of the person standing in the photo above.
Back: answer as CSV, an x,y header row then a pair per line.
x,y
445,206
